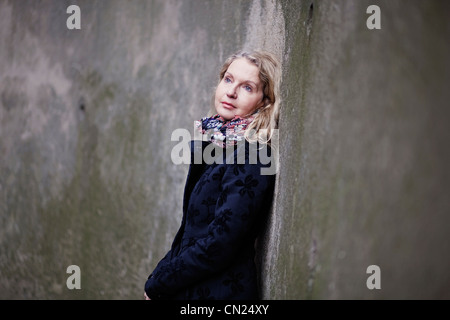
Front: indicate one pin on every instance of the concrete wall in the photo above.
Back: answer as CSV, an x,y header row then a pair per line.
x,y
364,177
86,118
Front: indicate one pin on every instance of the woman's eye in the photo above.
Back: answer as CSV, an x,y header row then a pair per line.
x,y
248,88
227,79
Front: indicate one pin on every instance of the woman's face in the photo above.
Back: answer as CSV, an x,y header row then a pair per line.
x,y
240,91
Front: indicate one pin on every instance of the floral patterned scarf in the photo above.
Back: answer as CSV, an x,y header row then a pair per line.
x,y
221,132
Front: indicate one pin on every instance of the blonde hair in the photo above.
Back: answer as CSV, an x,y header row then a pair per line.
x,y
262,127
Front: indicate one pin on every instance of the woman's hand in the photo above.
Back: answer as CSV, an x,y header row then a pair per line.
x,y
146,297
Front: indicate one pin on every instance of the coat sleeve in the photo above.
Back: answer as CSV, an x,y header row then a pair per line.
x,y
241,199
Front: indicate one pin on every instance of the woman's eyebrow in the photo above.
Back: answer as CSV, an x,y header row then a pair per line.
x,y
245,81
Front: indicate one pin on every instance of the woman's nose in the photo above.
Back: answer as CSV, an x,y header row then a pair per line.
x,y
231,92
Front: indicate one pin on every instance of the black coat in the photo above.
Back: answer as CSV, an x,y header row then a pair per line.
x,y
212,255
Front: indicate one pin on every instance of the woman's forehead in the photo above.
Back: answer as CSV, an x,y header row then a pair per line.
x,y
244,70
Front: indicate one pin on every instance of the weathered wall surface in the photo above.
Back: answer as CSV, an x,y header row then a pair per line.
x,y
86,118
364,177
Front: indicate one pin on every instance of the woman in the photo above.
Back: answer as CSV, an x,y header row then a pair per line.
x,y
226,200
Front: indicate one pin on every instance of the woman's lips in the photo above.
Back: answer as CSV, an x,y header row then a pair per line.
x,y
228,106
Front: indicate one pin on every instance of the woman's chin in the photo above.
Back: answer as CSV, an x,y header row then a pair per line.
x,y
226,114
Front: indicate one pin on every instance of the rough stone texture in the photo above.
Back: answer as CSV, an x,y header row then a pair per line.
x,y
86,118
364,158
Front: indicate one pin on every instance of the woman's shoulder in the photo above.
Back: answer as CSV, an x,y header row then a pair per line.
x,y
252,152
244,153
256,156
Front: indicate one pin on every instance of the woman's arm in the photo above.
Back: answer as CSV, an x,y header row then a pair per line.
x,y
244,191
